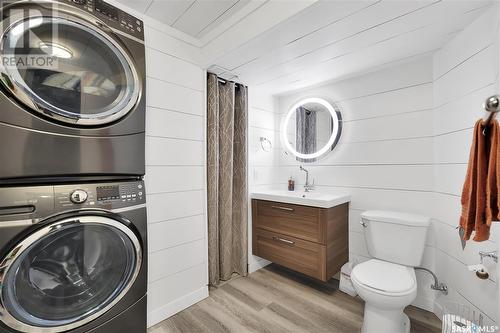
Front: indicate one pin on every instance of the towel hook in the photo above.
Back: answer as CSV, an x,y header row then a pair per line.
x,y
491,105
266,144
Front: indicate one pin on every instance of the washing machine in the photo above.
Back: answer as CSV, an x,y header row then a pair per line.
x,y
72,91
73,258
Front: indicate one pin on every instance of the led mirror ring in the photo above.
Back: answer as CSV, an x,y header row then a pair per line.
x,y
333,138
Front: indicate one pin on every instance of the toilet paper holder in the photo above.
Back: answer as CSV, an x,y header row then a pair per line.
x,y
488,254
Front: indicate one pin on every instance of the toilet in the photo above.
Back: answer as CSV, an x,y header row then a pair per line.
x,y
387,283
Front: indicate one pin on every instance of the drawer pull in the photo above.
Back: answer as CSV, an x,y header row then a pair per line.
x,y
283,208
283,240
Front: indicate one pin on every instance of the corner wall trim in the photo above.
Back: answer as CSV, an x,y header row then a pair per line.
x,y
170,309
257,265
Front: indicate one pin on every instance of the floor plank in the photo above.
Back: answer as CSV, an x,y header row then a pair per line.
x,y
277,300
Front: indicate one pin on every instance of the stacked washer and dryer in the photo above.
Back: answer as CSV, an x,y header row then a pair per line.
x,y
73,229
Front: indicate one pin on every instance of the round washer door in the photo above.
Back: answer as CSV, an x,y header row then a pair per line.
x,y
68,273
68,69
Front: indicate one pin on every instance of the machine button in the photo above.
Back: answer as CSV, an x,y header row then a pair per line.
x,y
78,196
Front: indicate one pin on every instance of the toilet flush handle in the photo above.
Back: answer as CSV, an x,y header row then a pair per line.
x,y
363,223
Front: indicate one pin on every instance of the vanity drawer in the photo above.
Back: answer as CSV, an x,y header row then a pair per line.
x,y
292,220
302,256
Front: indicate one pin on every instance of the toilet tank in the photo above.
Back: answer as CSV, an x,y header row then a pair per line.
x,y
395,237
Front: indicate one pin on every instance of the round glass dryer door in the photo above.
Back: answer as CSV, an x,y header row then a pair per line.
x,y
68,273
68,69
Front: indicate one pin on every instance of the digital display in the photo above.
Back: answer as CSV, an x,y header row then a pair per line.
x,y
108,193
106,9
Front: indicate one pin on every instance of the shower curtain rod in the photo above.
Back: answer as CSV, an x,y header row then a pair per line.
x,y
237,84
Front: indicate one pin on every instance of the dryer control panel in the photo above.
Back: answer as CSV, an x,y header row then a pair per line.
x,y
111,16
103,196
30,204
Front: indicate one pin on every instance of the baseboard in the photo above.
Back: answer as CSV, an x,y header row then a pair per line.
x,y
258,265
168,310
439,310
425,303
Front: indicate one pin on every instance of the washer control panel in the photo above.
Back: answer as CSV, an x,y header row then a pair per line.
x,y
131,192
111,15
104,195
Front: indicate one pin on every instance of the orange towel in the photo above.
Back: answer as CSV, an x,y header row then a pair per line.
x,y
480,196
493,177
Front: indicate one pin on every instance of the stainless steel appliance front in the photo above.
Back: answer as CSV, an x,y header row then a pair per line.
x,y
71,261
81,112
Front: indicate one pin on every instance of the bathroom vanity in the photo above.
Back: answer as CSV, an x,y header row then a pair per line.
x,y
307,232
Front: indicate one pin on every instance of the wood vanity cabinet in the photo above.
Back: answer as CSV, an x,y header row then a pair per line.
x,y
310,240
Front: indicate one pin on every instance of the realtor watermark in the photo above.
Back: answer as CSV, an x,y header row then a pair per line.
x,y
30,41
27,61
473,328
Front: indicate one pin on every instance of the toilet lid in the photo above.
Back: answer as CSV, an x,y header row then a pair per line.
x,y
385,276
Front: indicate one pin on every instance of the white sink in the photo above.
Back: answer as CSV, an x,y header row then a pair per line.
x,y
313,198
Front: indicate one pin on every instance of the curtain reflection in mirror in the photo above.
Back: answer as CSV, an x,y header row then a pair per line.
x,y
305,132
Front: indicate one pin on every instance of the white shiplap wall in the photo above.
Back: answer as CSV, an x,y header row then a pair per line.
x,y
175,175
465,74
261,123
384,159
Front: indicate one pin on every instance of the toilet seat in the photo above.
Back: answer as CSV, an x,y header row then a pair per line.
x,y
385,278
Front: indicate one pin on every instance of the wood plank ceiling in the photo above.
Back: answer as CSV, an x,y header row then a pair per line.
x,y
330,40
194,17
323,40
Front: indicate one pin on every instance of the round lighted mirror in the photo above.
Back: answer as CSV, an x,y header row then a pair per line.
x,y
311,129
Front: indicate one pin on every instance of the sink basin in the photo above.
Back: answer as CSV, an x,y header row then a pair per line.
x,y
313,198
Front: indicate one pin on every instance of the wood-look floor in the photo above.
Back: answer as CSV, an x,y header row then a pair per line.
x,y
275,300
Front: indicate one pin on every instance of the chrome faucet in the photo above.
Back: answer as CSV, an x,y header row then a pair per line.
x,y
307,187
492,254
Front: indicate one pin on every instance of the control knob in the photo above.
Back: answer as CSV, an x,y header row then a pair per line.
x,y
79,196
